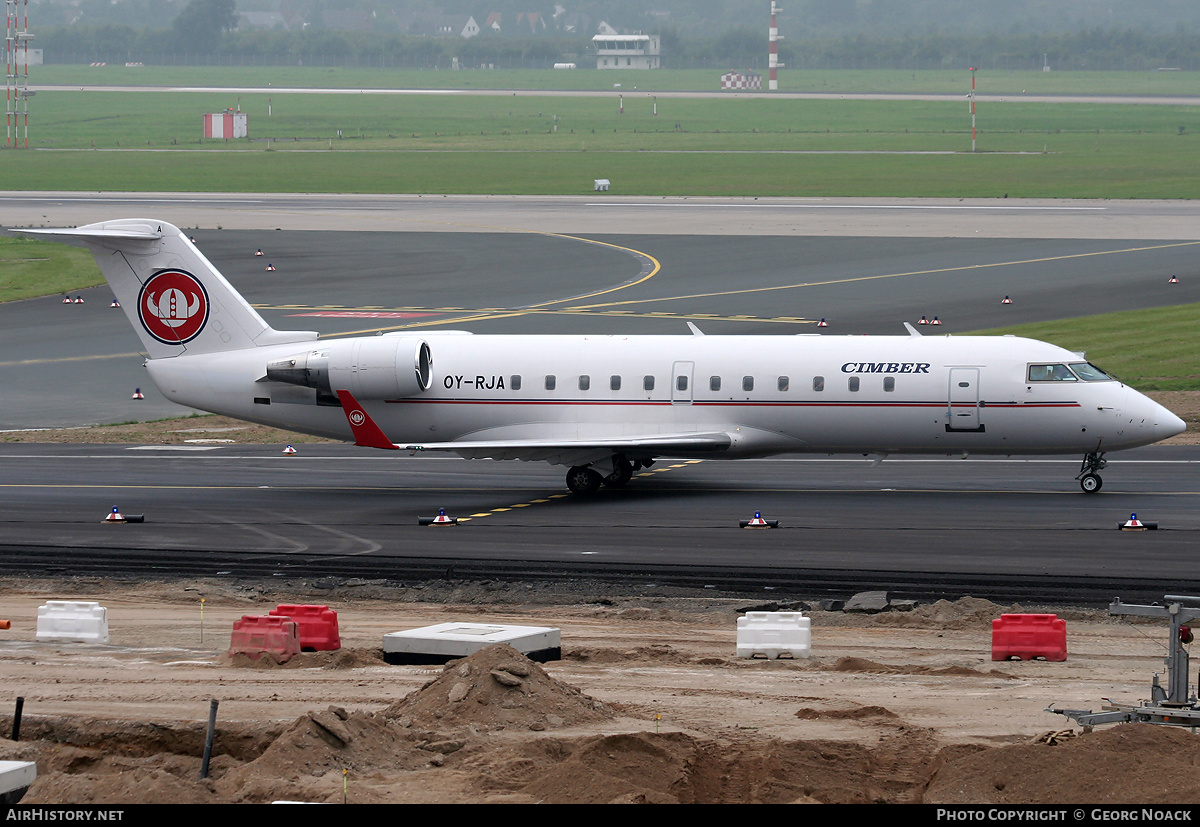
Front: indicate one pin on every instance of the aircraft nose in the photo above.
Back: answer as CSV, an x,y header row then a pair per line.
x,y
1167,424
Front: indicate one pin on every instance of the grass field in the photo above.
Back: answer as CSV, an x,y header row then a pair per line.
x,y
557,145
30,268
949,82
1152,350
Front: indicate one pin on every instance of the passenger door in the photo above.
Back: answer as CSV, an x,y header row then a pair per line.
x,y
963,408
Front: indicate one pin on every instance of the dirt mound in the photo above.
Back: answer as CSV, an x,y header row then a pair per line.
x,y
1128,764
319,747
855,714
497,687
679,768
866,665
114,787
336,659
655,653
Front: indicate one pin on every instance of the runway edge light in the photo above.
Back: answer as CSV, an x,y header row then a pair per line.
x,y
757,521
1134,524
440,519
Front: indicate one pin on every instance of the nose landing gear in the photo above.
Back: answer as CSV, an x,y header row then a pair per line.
x,y
1089,480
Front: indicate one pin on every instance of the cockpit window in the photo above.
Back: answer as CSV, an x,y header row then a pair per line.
x,y
1050,373
1089,372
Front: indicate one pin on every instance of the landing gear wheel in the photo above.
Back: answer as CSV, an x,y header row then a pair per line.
x,y
1089,480
583,480
622,473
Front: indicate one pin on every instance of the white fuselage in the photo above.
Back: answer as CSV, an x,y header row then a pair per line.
x,y
772,394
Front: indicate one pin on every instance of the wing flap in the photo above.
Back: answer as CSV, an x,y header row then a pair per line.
x,y
369,435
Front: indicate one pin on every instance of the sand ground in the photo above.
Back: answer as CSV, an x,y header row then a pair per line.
x,y
649,703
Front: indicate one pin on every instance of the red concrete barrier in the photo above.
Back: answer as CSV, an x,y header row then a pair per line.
x,y
1028,636
318,626
263,635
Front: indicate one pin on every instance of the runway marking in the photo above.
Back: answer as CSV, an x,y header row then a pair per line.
x,y
826,283
653,314
651,268
19,362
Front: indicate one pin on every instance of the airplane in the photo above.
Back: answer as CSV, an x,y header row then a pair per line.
x,y
606,406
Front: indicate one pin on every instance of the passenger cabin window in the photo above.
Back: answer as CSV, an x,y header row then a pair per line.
x,y
514,381
648,383
783,383
614,382
714,383
818,383
585,382
853,383
889,384
1051,373
681,383
551,381
747,383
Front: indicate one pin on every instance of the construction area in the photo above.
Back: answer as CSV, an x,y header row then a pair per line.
x,y
649,703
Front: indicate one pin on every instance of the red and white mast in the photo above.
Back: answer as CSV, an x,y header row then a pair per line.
x,y
773,39
16,52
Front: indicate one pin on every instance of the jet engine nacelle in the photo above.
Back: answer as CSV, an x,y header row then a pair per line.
x,y
383,367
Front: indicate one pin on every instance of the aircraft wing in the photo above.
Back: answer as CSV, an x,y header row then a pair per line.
x,y
555,449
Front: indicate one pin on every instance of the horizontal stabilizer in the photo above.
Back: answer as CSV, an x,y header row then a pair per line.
x,y
176,300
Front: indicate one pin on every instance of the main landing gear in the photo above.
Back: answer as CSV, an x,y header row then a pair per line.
x,y
1089,480
584,479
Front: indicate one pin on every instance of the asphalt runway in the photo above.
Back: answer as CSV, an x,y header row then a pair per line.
x,y
925,527
932,527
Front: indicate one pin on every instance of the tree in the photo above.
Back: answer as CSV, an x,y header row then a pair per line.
x,y
199,27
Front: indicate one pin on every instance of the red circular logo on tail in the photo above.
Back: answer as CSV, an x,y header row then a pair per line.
x,y
173,306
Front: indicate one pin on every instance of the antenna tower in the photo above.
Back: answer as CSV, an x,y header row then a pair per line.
x,y
16,74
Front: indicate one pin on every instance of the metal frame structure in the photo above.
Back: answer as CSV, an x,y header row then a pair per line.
x,y
16,55
1173,706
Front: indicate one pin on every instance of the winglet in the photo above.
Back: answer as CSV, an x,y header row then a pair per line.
x,y
366,433
912,331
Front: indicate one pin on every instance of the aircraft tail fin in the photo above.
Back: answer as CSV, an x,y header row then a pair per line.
x,y
176,300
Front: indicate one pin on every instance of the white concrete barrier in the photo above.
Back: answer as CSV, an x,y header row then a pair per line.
x,y
771,634
72,620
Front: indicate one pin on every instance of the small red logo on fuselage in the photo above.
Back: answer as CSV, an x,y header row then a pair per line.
x,y
173,306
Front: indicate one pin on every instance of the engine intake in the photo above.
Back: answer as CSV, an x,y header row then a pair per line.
x,y
384,367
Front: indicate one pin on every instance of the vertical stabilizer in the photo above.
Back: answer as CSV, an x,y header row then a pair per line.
x,y
175,298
